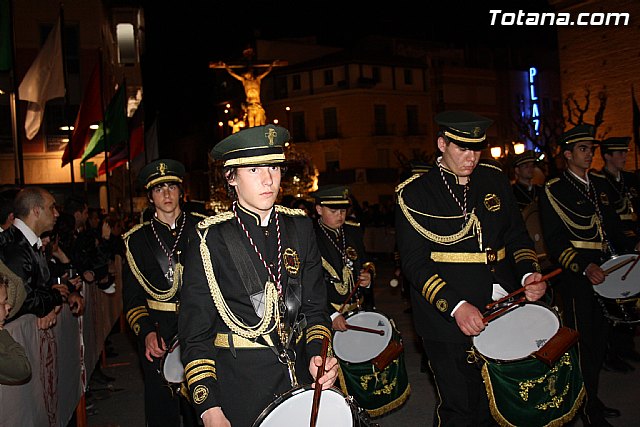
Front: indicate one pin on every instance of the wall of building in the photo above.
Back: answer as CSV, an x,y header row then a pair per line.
x,y
603,58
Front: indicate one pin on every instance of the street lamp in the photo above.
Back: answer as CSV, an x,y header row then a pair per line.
x,y
496,152
518,148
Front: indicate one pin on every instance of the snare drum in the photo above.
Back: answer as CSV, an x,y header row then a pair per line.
x,y
172,369
522,390
378,391
619,293
357,346
294,409
518,333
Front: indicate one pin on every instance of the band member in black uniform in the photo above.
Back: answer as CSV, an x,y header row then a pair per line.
x,y
343,254
580,231
253,315
152,280
625,197
462,241
525,191
527,194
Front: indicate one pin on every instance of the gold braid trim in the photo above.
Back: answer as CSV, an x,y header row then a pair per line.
x,y
341,285
134,229
235,324
473,222
157,294
216,219
560,209
290,211
330,269
391,405
407,181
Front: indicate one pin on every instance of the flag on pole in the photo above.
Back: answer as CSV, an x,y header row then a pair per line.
x,y
6,57
44,81
123,153
636,119
90,113
113,130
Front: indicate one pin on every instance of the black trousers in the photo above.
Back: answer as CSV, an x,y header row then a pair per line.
x,y
163,407
583,312
462,397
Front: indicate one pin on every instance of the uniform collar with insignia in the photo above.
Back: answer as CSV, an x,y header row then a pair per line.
x,y
169,226
254,216
334,231
446,170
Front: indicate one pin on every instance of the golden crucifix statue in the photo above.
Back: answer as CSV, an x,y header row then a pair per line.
x,y
251,80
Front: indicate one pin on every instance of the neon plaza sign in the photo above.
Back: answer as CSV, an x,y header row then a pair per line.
x,y
533,99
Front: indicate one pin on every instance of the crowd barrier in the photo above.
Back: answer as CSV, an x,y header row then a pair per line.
x,y
62,361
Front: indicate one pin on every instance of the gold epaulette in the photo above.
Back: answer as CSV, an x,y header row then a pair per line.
x,y
552,181
216,219
198,214
488,164
134,229
407,181
352,223
290,211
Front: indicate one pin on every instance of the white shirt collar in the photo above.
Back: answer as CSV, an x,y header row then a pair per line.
x,y
586,181
28,233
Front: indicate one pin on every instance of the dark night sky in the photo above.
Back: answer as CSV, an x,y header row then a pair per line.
x,y
180,43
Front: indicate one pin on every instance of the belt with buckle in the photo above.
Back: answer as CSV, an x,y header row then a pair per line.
x,y
489,256
222,341
163,306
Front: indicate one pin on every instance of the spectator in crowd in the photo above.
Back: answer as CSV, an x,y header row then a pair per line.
x,y
35,212
15,367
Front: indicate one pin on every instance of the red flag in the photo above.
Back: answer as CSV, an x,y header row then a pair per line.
x,y
90,113
121,153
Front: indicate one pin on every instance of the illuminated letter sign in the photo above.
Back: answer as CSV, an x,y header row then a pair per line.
x,y
533,97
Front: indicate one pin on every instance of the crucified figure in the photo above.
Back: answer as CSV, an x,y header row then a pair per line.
x,y
255,113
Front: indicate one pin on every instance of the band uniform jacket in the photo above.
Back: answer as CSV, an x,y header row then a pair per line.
x,y
448,260
525,196
625,197
147,293
219,361
31,267
329,240
571,224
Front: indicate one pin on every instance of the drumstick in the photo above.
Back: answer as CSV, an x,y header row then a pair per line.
x,y
618,266
363,329
157,325
624,276
503,310
514,293
355,288
318,387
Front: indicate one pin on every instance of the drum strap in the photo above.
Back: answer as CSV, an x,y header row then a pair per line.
x,y
160,256
247,271
244,266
